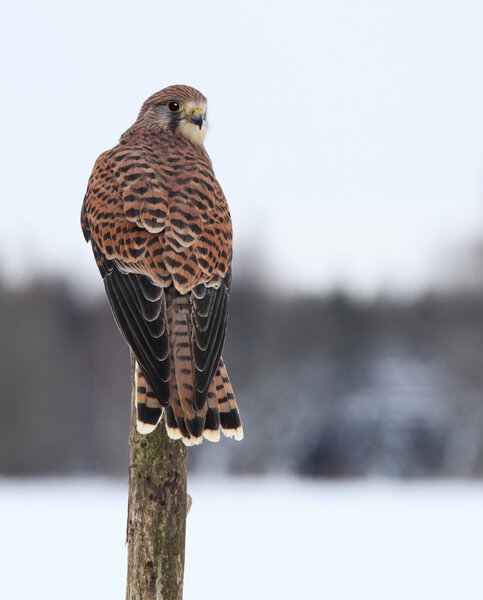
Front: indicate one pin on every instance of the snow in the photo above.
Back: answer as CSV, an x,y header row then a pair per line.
x,y
253,538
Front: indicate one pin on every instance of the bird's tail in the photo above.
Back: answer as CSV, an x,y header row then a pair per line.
x,y
220,413
183,418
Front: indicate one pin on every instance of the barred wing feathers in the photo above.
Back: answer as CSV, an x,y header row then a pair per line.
x,y
161,234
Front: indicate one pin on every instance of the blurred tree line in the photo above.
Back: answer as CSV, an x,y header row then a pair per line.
x,y
328,386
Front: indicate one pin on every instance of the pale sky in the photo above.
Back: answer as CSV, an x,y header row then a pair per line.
x,y
347,135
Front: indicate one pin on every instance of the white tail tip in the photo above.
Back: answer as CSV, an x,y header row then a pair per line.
x,y
193,441
145,428
212,435
173,434
236,434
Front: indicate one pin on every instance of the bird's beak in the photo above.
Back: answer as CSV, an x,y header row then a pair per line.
x,y
197,117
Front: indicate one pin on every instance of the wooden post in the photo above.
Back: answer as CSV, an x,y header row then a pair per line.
x,y
157,509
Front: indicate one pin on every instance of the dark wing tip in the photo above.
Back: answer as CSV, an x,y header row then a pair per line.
x,y
148,339
209,326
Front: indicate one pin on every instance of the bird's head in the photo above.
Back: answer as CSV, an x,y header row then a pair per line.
x,y
177,108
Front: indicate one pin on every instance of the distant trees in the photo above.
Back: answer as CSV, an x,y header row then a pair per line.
x,y
65,384
329,386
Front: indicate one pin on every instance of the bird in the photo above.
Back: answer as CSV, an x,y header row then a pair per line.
x,y
161,234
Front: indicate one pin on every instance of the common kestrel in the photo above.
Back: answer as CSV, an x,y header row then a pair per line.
x,y
161,234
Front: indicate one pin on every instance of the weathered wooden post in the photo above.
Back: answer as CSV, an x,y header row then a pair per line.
x,y
157,509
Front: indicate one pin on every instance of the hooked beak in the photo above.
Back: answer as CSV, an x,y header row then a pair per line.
x,y
198,119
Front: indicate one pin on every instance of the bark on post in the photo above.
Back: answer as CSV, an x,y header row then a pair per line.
x,y
157,510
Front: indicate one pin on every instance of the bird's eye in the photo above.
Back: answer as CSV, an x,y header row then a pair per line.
x,y
174,106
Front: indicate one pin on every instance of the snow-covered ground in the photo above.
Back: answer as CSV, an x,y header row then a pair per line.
x,y
253,539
